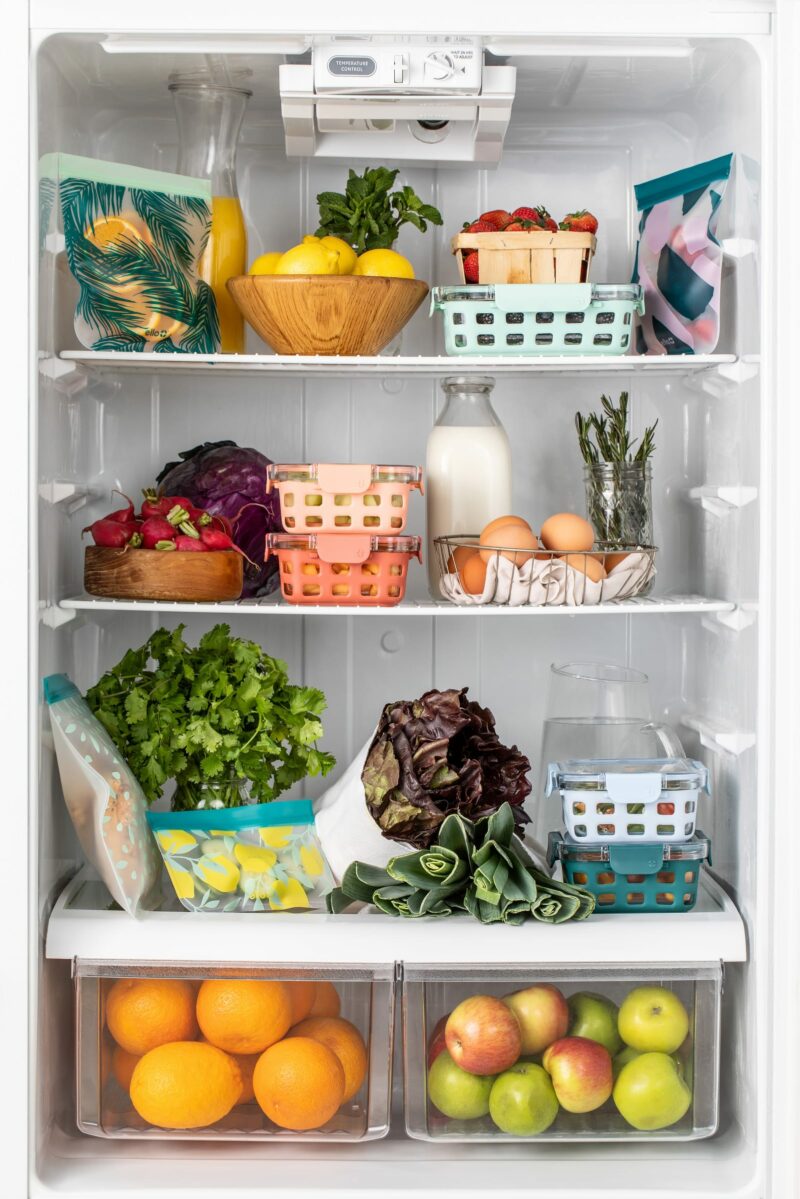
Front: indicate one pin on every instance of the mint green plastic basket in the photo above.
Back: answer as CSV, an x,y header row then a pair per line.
x,y
648,877
538,318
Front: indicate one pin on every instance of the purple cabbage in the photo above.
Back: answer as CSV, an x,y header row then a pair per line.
x,y
223,477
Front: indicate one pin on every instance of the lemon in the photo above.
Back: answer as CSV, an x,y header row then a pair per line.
x,y
309,258
347,255
277,837
257,884
219,872
288,895
384,262
266,263
175,840
311,860
251,857
182,881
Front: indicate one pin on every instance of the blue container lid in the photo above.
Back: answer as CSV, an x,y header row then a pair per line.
x,y
645,857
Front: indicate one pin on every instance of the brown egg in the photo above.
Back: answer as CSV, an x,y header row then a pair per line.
x,y
587,564
459,556
567,533
509,538
473,575
498,523
612,560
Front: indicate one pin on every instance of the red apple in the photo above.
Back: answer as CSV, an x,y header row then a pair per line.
x,y
542,1013
483,1035
437,1042
581,1073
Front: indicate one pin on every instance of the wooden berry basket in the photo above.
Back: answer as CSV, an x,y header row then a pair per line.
x,y
533,256
161,575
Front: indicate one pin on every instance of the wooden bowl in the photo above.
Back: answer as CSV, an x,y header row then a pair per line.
x,y
326,314
161,575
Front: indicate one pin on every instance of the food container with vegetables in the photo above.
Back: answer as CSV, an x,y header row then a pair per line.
x,y
170,550
253,858
179,1051
561,1053
629,800
332,496
343,568
652,876
538,318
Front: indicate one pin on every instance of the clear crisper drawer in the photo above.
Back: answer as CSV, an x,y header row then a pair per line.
x,y
668,1091
250,1053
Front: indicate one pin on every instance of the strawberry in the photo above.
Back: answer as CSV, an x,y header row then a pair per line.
x,y
517,227
579,222
480,226
527,214
498,218
471,267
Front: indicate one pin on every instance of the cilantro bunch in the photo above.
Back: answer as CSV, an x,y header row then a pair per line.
x,y
222,711
369,214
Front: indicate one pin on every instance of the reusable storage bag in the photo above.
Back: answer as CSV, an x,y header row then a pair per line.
x,y
254,858
133,240
103,798
679,260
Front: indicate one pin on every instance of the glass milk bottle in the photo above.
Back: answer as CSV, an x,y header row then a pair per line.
x,y
209,121
468,467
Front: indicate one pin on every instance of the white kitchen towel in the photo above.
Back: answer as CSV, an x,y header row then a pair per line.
x,y
345,827
551,581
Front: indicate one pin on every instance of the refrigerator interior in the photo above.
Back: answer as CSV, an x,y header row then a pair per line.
x,y
583,130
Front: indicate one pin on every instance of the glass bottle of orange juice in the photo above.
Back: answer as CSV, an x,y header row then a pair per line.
x,y
209,121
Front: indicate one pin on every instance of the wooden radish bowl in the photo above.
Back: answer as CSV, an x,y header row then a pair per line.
x,y
326,314
162,575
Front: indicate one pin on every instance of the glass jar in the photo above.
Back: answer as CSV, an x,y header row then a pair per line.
x,y
227,792
468,466
619,503
209,122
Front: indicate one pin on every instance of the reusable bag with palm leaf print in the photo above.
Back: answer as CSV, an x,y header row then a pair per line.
x,y
133,241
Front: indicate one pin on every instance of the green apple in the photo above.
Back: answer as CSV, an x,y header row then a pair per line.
x,y
522,1100
622,1059
595,1017
653,1020
650,1092
455,1093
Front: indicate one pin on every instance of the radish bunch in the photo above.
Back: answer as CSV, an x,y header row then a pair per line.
x,y
166,523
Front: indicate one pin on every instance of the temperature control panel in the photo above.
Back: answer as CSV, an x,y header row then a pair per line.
x,y
367,67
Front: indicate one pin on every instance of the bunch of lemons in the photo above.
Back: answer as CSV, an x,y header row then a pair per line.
x,y
332,256
186,1053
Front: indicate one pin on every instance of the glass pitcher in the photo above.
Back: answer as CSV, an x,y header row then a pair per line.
x,y
596,710
468,466
209,121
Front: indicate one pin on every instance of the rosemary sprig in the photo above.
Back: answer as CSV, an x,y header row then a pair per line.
x,y
618,499
612,434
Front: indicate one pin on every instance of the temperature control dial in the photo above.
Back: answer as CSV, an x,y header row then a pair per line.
x,y
440,65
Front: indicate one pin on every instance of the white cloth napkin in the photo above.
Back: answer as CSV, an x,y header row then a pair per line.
x,y
345,828
551,581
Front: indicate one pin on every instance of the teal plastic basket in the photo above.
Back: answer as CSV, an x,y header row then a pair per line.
x,y
538,318
648,877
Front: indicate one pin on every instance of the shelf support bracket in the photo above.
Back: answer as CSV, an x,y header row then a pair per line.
x,y
54,616
721,501
71,495
720,739
68,377
737,619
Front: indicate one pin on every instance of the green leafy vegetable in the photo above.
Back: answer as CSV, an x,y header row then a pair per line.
x,y
224,710
481,868
369,214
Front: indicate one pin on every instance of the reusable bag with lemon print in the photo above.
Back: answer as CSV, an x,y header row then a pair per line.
x,y
133,240
255,858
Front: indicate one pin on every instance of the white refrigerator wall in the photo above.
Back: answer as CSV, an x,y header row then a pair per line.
x,y
583,131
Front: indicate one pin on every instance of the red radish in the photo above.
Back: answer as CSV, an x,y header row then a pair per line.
x,y
215,539
182,542
110,533
224,523
123,515
153,505
154,529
